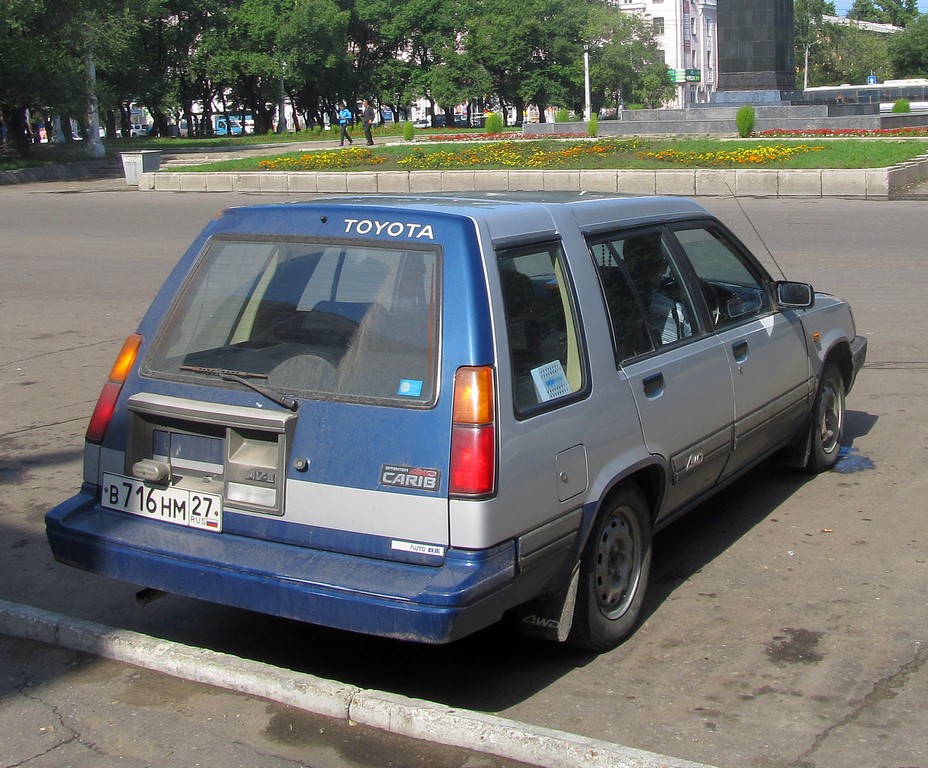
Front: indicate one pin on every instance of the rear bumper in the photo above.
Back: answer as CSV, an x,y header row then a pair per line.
x,y
470,590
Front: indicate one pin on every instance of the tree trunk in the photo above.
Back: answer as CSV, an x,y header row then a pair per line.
x,y
17,131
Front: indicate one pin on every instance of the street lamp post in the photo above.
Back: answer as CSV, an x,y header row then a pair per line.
x,y
586,83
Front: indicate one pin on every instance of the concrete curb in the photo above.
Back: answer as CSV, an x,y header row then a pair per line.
x,y
867,183
78,170
389,712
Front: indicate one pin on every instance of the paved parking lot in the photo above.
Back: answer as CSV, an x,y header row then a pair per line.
x,y
786,624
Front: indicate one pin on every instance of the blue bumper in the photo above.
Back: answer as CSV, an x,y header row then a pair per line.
x,y
470,590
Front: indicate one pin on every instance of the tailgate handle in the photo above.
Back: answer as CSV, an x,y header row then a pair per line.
x,y
653,385
740,350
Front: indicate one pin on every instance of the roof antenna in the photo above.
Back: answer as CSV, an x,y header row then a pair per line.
x,y
759,236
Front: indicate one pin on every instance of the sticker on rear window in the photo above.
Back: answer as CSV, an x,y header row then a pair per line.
x,y
409,388
420,478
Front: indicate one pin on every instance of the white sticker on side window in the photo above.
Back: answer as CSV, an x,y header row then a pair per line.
x,y
550,381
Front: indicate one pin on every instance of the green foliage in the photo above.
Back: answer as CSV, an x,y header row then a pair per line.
x,y
592,127
902,105
409,131
494,123
844,54
528,49
627,64
897,12
562,115
744,119
908,49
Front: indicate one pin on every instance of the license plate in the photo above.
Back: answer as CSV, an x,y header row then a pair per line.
x,y
171,505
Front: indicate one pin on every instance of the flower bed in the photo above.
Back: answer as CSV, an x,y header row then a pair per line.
x,y
510,136
332,160
818,133
760,155
514,154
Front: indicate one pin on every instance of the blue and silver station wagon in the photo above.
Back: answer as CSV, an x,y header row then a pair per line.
x,y
413,416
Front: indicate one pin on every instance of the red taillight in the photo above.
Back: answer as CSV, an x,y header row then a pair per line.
x,y
473,434
106,403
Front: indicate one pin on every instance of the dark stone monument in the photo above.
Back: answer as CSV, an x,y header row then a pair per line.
x,y
756,59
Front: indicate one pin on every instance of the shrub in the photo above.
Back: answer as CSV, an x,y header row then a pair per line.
x,y
562,115
494,123
902,105
744,119
409,130
592,127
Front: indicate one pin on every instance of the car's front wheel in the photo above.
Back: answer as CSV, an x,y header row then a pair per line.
x,y
613,573
826,427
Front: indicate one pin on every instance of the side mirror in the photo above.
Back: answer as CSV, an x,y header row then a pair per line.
x,y
792,295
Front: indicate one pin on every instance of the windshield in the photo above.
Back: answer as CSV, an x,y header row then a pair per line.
x,y
319,319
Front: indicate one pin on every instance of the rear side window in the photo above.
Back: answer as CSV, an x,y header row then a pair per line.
x,y
322,319
541,324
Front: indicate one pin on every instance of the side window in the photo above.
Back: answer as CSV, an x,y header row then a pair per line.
x,y
648,303
541,325
733,291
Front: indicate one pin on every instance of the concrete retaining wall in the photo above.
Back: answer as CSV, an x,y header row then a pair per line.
x,y
875,183
720,121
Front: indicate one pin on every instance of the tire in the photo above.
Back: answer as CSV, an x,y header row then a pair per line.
x,y
826,425
614,573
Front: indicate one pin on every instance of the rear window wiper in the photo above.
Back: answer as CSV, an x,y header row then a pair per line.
x,y
242,377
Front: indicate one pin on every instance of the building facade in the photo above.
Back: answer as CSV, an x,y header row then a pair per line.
x,y
686,31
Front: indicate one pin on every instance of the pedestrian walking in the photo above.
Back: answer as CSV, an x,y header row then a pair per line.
x,y
367,120
345,116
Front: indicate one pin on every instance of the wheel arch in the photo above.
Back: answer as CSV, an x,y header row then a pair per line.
x,y
840,353
650,478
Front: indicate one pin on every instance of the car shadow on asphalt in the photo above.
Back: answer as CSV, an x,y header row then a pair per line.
x,y
696,539
494,669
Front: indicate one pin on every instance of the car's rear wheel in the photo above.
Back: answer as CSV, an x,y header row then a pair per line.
x,y
826,428
613,573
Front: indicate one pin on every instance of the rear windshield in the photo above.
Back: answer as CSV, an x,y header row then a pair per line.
x,y
319,319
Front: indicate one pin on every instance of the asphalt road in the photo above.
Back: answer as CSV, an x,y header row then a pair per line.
x,y
787,623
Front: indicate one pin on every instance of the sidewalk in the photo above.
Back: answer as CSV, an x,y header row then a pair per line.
x,y
63,694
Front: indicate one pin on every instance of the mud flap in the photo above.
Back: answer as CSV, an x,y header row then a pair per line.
x,y
796,455
552,617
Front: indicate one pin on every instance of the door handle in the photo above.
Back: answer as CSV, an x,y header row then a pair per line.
x,y
740,350
653,385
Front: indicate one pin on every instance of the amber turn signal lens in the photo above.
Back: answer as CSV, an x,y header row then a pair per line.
x,y
473,396
106,403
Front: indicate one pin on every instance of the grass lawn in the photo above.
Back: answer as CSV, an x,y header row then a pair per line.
x,y
586,154
453,149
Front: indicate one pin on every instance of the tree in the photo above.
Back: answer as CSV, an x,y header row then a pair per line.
x,y
44,59
897,12
626,63
908,50
429,37
849,55
807,23
313,41
531,50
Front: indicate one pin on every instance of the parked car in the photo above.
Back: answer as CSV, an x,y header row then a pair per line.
x,y
422,122
411,416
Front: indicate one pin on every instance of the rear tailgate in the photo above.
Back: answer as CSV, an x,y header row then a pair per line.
x,y
342,316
